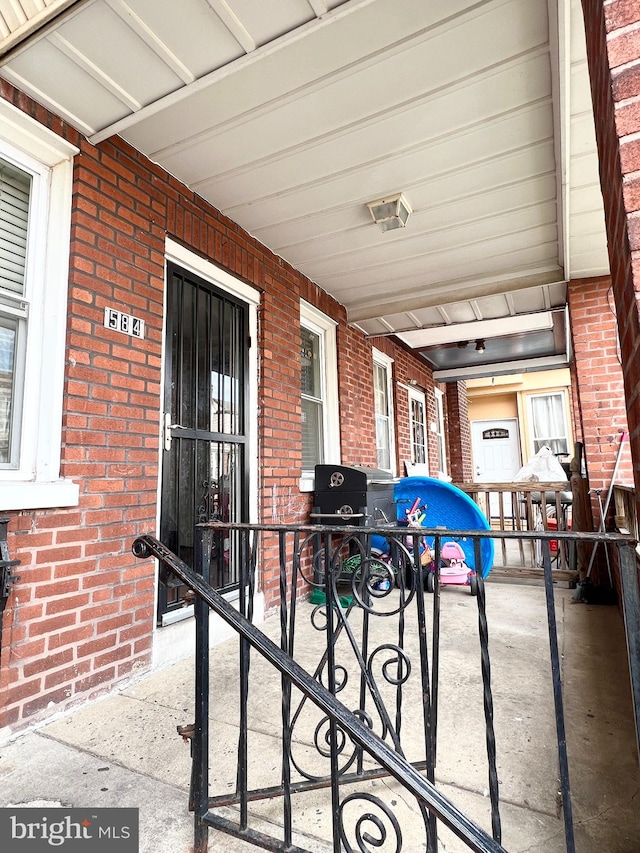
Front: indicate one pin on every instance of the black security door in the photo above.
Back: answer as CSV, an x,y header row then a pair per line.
x,y
204,472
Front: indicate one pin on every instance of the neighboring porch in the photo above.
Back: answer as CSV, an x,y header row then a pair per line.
x,y
532,507
124,750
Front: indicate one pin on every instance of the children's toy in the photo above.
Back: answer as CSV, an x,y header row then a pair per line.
x,y
453,568
427,502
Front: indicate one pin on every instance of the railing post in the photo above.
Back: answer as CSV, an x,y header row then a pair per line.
x,y
487,696
556,678
631,615
200,777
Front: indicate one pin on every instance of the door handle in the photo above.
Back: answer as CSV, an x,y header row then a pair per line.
x,y
166,430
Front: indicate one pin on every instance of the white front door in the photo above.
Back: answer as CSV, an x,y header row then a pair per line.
x,y
496,455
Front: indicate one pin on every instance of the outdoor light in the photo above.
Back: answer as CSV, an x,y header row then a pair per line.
x,y
391,212
480,345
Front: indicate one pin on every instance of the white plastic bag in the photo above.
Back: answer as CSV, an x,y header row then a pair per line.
x,y
541,468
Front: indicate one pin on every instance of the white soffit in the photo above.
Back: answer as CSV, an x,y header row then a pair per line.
x,y
291,115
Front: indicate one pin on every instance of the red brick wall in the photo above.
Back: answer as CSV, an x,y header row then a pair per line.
x,y
598,389
612,53
357,413
81,618
459,433
599,379
409,370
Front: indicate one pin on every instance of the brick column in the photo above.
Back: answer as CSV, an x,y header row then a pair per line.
x,y
613,53
459,433
598,391
601,400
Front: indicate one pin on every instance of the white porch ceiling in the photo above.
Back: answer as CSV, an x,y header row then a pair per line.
x,y
291,115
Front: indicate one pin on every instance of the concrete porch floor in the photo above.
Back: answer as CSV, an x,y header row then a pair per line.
x,y
124,750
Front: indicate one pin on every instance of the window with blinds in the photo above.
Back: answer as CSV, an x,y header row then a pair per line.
x,y
15,190
312,399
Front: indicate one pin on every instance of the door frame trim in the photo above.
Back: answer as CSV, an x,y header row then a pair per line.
x,y
224,281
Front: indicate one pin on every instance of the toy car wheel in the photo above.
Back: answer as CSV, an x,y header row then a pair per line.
x,y
430,582
473,584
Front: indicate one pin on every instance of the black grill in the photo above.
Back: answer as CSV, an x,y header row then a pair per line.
x,y
353,495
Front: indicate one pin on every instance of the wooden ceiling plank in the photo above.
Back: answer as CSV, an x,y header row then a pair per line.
x,y
146,34
212,78
476,309
24,85
235,26
440,295
90,68
382,67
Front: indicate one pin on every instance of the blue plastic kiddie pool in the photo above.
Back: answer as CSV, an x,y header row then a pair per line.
x,y
445,506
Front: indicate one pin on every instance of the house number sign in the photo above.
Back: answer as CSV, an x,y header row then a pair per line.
x,y
125,323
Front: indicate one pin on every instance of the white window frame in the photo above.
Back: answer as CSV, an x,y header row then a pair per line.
x,y
438,429
419,397
558,392
323,326
34,482
386,363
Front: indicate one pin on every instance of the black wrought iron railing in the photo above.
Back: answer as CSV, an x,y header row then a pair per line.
x,y
366,706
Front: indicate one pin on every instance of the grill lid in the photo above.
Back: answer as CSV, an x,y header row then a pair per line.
x,y
355,478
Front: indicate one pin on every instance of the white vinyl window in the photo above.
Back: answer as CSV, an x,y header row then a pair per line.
x,y
35,208
418,427
319,392
547,415
440,434
383,406
15,194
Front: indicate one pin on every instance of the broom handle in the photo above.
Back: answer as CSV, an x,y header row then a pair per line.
x,y
613,479
603,512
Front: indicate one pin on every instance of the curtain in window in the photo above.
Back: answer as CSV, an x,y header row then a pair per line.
x,y
381,399
548,422
312,403
7,360
418,438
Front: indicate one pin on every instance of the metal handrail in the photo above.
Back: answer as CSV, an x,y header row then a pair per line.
x,y
432,803
413,781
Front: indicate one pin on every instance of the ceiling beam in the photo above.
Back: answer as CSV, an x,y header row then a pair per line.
x,y
233,23
502,368
230,68
449,292
80,59
560,60
436,336
146,34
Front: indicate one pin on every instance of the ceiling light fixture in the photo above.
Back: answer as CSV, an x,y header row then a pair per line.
x,y
391,212
480,345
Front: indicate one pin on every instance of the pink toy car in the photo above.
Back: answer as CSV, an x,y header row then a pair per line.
x,y
453,569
